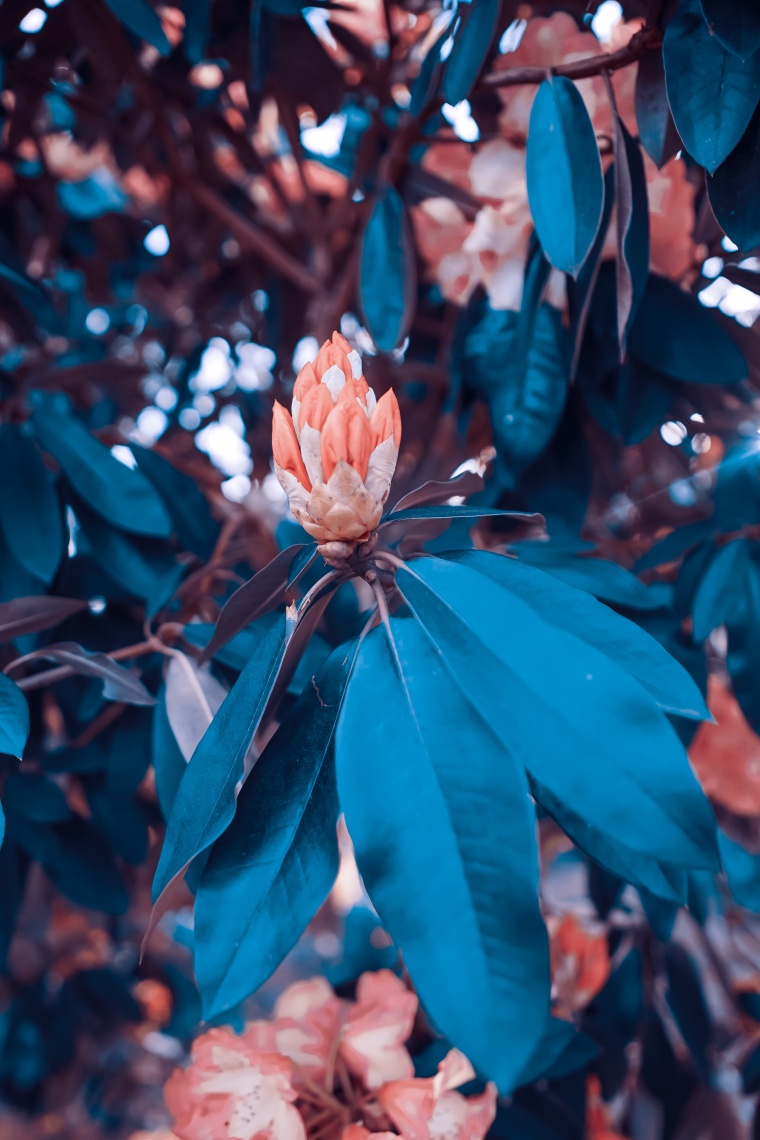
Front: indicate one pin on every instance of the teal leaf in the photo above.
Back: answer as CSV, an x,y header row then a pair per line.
x,y
121,496
719,596
35,797
743,627
265,591
712,92
30,517
632,228
168,762
657,130
577,613
735,24
29,615
444,833
139,18
387,279
742,869
143,567
675,334
472,41
732,189
522,370
607,581
14,718
187,505
197,28
661,880
564,171
205,801
578,722
463,511
273,867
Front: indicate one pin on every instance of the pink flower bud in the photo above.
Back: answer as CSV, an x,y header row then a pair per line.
x,y
336,453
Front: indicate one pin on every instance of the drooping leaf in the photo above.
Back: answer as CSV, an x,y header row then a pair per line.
x,y
564,171
579,614
387,270
675,334
29,615
472,40
30,516
579,723
192,697
121,496
271,870
435,492
712,92
119,682
445,511
139,17
205,801
735,24
444,834
263,592
632,228
14,718
78,861
731,189
657,130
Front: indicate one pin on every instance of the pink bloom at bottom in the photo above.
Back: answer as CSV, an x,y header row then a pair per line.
x,y
233,1091
359,1132
429,1108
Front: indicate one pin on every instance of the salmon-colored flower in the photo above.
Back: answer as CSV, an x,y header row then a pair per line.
x,y
726,754
335,452
378,1025
234,1090
359,1132
429,1108
307,1021
580,963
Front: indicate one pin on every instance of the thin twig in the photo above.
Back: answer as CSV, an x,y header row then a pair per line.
x,y
254,239
649,38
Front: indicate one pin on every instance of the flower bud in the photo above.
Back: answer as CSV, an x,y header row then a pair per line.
x,y
335,453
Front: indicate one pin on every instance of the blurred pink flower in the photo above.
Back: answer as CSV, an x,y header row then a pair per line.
x,y
307,1020
233,1091
429,1108
378,1025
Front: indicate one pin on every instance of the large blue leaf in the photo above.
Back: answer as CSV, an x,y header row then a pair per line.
x,y
272,868
564,171
205,800
579,723
121,496
736,23
444,833
579,614
30,515
731,189
712,92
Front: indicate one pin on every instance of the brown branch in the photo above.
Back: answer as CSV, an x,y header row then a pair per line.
x,y
646,40
254,239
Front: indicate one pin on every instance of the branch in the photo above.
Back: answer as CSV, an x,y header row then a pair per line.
x,y
254,239
646,40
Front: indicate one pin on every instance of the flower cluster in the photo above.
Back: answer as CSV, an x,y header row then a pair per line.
x,y
490,249
335,451
324,1067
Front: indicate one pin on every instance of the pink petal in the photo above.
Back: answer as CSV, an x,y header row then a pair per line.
x,y
378,1025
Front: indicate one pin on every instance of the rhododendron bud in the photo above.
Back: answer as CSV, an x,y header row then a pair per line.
x,y
335,452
